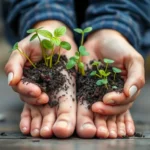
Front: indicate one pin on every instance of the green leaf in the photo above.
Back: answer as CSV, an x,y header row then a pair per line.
x,y
65,45
108,61
114,87
116,70
33,37
15,47
104,81
81,65
71,63
77,55
88,29
60,31
83,51
93,73
49,57
102,72
48,45
107,74
45,33
73,58
31,30
78,30
56,41
99,82
96,63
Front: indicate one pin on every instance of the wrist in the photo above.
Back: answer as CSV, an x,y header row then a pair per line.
x,y
52,25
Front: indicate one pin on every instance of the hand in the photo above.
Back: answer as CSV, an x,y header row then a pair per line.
x,y
111,44
31,93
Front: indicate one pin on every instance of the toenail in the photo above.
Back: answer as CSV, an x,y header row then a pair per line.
x,y
24,129
113,133
63,124
35,132
45,129
87,125
102,129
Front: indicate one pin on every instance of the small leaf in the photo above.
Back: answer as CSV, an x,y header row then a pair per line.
x,y
47,44
116,70
73,58
60,31
65,45
102,72
109,61
104,81
99,82
107,74
114,87
81,65
15,47
45,33
71,63
31,30
93,73
78,30
96,63
77,55
88,29
56,41
33,37
83,51
49,57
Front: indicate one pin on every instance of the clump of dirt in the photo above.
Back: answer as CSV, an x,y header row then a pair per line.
x,y
50,80
88,91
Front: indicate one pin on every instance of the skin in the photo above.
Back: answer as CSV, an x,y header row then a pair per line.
x,y
106,121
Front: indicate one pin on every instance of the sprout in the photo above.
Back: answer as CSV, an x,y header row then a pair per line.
x,y
116,70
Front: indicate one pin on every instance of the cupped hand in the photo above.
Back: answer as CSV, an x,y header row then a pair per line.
x,y
111,44
31,93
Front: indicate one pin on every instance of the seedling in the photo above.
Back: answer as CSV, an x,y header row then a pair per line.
x,y
50,43
116,70
76,60
103,74
16,47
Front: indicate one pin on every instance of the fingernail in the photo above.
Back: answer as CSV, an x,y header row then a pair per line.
x,y
102,129
122,133
35,132
10,77
110,102
24,129
132,90
113,133
131,131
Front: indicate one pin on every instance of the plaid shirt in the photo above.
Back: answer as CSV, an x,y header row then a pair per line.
x,y
130,17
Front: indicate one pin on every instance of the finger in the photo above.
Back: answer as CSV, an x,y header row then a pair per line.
x,y
42,99
101,108
114,98
14,67
135,78
25,120
27,89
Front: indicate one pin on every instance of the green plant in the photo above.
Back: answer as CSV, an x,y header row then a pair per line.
x,y
103,73
49,44
16,47
76,60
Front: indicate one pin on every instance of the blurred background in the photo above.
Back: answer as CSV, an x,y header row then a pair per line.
x,y
10,105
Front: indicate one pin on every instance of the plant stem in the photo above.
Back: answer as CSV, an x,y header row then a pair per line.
x,y
114,76
82,39
98,75
58,56
43,52
106,67
51,58
82,71
22,53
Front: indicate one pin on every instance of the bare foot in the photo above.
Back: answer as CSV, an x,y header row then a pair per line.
x,y
91,124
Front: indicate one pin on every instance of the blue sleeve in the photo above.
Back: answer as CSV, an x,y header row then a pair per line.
x,y
130,18
24,14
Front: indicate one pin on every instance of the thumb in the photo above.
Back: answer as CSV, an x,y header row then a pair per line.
x,y
135,77
14,68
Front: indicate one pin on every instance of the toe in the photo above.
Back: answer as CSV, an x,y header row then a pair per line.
x,y
36,121
129,123
25,120
101,126
48,121
85,125
112,127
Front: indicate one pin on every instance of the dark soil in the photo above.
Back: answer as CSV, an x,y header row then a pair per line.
x,y
88,91
50,80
